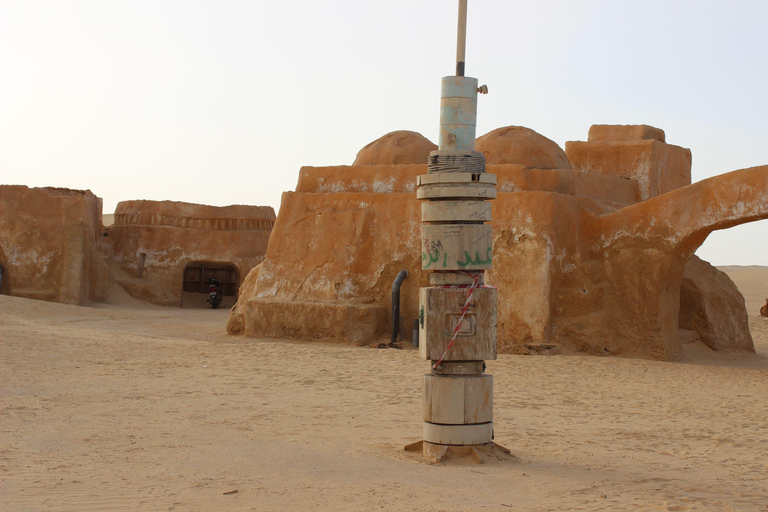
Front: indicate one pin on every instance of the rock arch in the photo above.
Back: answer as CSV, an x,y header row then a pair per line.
x,y
643,249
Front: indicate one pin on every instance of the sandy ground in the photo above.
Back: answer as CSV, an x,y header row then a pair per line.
x,y
127,406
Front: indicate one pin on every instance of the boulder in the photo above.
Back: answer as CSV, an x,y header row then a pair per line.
x,y
523,146
399,148
712,306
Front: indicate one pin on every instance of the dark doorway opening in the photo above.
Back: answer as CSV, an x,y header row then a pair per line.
x,y
197,277
5,287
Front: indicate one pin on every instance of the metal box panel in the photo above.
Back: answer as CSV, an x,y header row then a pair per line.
x,y
439,309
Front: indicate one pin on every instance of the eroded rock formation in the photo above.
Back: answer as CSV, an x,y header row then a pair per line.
x,y
588,259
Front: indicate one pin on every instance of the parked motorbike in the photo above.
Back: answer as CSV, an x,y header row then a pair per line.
x,y
213,292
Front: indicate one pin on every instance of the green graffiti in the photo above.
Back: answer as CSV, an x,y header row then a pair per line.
x,y
478,259
433,257
421,316
428,256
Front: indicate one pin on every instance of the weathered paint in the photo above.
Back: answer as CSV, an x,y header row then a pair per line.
x,y
458,113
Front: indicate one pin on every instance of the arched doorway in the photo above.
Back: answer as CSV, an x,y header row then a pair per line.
x,y
196,279
5,287
5,283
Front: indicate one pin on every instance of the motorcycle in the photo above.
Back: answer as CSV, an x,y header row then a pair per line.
x,y
215,296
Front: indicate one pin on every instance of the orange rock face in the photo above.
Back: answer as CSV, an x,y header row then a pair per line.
x,y
48,244
522,146
582,261
166,247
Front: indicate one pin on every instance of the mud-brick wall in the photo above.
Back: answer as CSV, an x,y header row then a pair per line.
x,y
153,241
48,239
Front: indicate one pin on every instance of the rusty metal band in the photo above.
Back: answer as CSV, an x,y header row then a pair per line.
x,y
456,163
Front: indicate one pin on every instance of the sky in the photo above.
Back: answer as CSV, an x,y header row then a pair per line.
x,y
222,102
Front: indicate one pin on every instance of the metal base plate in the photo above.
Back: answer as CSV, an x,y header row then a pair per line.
x,y
479,453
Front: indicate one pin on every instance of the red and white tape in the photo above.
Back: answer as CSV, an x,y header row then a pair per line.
x,y
475,279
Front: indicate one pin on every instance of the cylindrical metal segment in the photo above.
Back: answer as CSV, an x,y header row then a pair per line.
x,y
457,191
459,368
458,113
458,399
448,161
456,136
456,211
458,435
459,178
459,87
454,278
456,247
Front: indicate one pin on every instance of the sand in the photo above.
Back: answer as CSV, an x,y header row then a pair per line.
x,y
127,406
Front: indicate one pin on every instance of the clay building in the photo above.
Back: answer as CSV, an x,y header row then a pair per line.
x,y
592,246
166,250
54,247
49,244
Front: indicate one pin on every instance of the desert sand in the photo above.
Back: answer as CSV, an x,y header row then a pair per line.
x,y
128,406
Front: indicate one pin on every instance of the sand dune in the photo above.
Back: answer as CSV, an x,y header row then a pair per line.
x,y
118,407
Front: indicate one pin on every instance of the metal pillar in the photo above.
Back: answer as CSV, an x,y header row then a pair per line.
x,y
457,313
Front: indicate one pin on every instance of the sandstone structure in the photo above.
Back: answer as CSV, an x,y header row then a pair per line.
x,y
638,153
48,244
521,146
163,248
401,147
587,259
54,247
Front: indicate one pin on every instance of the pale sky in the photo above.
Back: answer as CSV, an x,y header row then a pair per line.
x,y
222,102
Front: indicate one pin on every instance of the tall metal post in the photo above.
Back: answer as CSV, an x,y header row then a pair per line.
x,y
461,42
457,313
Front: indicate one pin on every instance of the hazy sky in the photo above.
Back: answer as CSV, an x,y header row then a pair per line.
x,y
222,102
